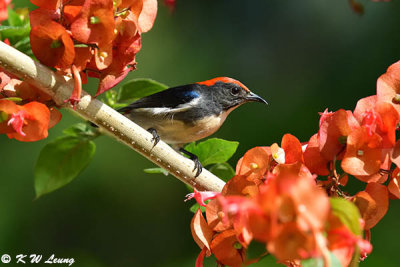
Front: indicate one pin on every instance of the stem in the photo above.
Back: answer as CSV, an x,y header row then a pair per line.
x,y
116,125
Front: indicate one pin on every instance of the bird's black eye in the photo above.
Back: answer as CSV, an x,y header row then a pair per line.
x,y
235,91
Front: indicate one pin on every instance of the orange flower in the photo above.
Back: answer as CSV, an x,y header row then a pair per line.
x,y
95,24
52,45
26,123
313,159
227,249
373,203
255,163
388,86
363,154
333,132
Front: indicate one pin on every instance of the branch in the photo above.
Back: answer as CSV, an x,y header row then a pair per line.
x,y
116,125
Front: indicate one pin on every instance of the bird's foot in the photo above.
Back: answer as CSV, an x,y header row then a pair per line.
x,y
198,168
156,137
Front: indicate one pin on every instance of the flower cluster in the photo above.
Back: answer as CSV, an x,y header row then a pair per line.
x,y
98,38
282,195
30,119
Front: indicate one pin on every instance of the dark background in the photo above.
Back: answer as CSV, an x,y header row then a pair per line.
x,y
302,56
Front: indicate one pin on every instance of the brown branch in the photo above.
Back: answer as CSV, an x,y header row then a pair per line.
x,y
116,125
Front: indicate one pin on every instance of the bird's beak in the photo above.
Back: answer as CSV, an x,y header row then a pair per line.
x,y
252,97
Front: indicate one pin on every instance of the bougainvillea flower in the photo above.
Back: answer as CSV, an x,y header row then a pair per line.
x,y
227,249
333,132
147,15
34,118
52,45
255,163
293,149
41,16
76,92
202,196
17,121
278,153
95,23
313,158
3,9
388,86
363,153
373,203
240,185
124,52
379,117
214,216
342,242
48,4
394,184
201,232
291,243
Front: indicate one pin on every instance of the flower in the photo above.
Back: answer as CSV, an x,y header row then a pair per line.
x,y
26,123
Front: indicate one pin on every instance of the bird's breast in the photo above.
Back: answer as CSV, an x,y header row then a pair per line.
x,y
178,132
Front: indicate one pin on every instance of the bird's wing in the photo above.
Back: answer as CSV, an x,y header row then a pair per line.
x,y
174,99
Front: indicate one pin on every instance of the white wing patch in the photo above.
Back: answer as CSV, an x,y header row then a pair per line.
x,y
165,111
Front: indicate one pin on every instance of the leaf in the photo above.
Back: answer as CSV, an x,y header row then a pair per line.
x,y
256,250
82,130
196,206
223,171
156,170
14,19
139,88
14,31
318,262
213,150
60,161
347,213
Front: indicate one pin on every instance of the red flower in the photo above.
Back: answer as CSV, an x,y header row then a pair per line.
x,y
373,204
201,197
52,45
95,24
363,155
26,123
3,9
333,132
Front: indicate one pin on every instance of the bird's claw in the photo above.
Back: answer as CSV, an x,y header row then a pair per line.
x,y
198,168
156,137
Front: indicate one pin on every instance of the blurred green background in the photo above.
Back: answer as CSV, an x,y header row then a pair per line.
x,y
302,56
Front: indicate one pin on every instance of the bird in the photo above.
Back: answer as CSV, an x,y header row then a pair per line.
x,y
188,113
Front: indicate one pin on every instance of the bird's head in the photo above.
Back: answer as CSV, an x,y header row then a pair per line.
x,y
230,93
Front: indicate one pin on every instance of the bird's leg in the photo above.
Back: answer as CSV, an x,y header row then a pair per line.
x,y
156,137
197,164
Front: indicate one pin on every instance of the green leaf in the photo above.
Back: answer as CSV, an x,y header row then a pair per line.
x,y
82,130
60,161
14,19
196,206
256,250
318,262
14,31
156,170
139,88
348,214
213,150
223,171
